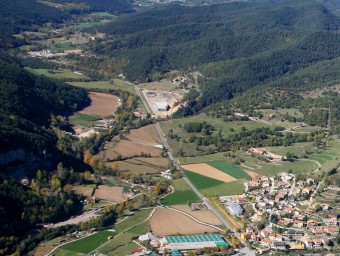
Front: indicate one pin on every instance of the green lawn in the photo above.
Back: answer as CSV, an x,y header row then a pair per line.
x,y
225,189
83,119
124,239
88,244
106,85
138,217
296,167
202,159
183,193
64,74
232,170
124,250
61,252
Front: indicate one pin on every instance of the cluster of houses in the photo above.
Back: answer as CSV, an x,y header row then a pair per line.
x,y
289,217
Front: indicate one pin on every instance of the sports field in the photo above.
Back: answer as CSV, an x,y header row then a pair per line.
x,y
232,170
182,194
88,244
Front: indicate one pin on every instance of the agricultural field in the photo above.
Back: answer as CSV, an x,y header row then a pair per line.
x,y
114,84
126,231
208,171
127,149
212,187
88,244
62,74
86,190
113,194
83,120
206,215
102,104
182,194
141,165
176,223
141,148
227,128
202,159
233,170
146,135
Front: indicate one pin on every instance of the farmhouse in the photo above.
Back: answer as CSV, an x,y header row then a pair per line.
x,y
192,242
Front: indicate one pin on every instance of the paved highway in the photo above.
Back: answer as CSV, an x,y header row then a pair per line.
x,y
245,250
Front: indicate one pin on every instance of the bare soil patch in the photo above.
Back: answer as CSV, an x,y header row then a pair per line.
x,y
252,174
114,194
127,148
102,104
140,164
206,216
42,251
146,135
209,171
86,191
168,222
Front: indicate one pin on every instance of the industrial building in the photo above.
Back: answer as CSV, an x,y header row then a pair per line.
x,y
192,242
235,208
161,106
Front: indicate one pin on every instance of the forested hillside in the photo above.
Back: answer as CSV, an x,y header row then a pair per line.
x,y
236,46
27,103
20,15
112,6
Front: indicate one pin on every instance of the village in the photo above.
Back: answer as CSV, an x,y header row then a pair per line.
x,y
281,215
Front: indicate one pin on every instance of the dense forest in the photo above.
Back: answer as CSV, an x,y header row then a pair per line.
x,y
236,46
21,15
112,6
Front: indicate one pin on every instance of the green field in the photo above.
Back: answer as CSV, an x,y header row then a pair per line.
x,y
132,227
90,24
63,74
227,128
88,244
138,217
62,46
83,119
232,170
114,84
212,187
202,159
125,250
183,193
303,166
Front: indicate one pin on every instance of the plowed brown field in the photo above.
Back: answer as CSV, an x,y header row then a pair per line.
x,y
168,222
114,194
206,216
102,104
